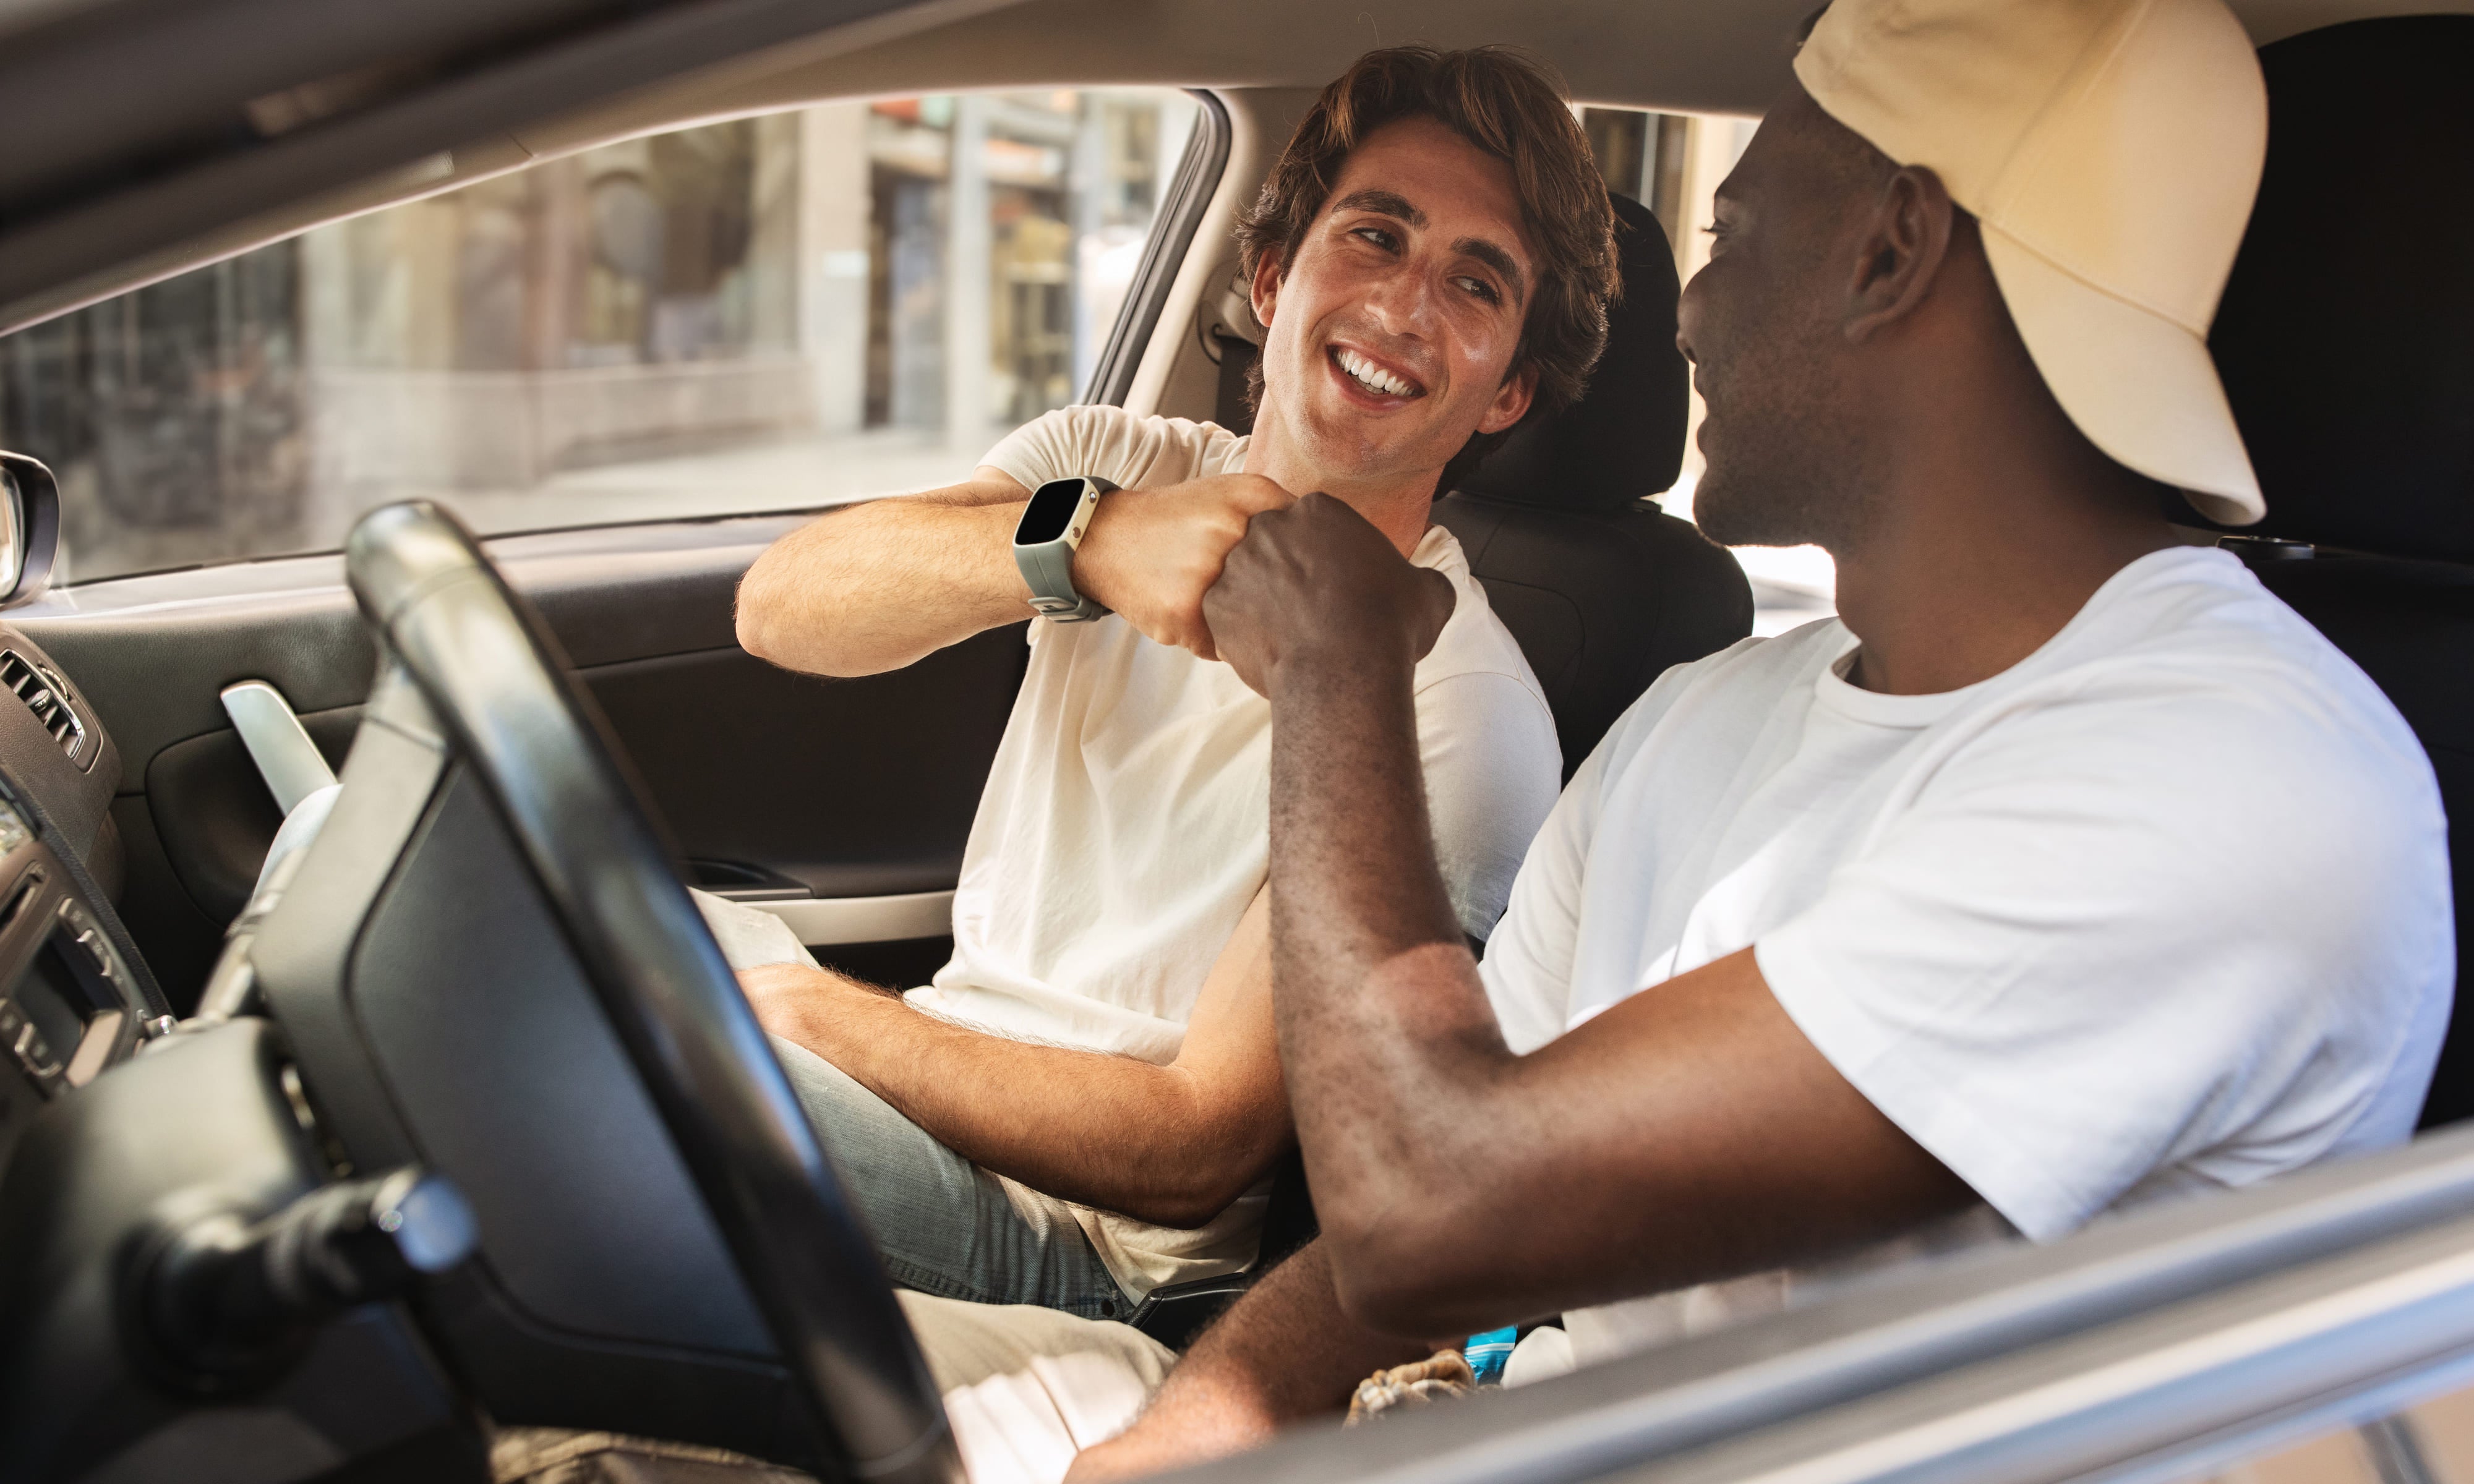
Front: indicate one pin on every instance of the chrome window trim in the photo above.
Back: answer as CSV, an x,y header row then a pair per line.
x,y
2375,1255
1181,216
2164,1396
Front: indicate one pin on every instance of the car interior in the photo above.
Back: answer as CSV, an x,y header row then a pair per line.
x,y
467,1070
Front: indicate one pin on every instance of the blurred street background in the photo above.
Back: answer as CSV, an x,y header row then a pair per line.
x,y
775,313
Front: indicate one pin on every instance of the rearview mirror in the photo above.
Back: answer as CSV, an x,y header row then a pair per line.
x,y
30,528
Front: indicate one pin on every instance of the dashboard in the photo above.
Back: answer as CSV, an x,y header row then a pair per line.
x,y
184,1277
74,995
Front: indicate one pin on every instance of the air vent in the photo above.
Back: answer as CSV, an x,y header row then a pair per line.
x,y
47,698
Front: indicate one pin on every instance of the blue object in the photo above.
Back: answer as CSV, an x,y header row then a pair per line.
x,y
1487,1353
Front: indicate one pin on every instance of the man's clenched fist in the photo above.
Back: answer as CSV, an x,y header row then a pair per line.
x,y
1152,554
1317,576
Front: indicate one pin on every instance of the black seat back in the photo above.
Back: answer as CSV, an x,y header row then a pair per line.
x,y
1603,589
2346,344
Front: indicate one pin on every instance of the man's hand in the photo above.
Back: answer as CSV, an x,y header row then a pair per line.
x,y
1152,554
1319,577
1283,1351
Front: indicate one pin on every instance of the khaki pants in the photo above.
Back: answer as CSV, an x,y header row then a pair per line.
x,y
1027,1388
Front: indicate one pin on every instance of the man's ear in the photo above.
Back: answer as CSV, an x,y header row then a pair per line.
x,y
1265,287
1901,248
1510,401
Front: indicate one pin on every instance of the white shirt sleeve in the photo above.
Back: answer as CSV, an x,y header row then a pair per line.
x,y
1492,765
1131,452
2187,927
1050,446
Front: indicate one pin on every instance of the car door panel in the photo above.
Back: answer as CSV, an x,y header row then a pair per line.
x,y
845,788
837,785
215,818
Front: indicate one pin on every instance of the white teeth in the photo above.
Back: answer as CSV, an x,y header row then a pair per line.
x,y
1375,378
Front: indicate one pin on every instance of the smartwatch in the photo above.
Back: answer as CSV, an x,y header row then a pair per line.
x,y
1045,540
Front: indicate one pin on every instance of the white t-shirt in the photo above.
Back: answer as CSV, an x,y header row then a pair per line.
x,y
1125,824
2163,907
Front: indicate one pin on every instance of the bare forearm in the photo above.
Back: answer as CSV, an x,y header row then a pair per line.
x,y
1105,1130
876,586
1384,1030
1353,874
1285,1353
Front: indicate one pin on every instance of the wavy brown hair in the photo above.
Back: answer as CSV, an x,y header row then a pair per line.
x,y
1511,106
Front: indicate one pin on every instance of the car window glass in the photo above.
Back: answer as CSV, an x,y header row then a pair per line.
x,y
765,314
1672,163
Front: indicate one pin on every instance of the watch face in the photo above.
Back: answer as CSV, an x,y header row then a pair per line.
x,y
1050,510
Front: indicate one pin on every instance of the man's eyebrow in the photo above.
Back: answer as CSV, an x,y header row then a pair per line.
x,y
1495,258
1381,203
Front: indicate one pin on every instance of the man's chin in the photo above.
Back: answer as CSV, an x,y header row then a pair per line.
x,y
1345,449
1732,515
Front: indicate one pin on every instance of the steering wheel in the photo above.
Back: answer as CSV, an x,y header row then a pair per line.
x,y
493,676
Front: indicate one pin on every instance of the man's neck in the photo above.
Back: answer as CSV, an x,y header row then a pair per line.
x,y
1398,507
1986,537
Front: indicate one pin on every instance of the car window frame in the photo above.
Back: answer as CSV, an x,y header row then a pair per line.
x,y
1171,241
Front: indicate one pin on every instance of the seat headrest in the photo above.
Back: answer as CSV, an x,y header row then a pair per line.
x,y
2345,339
1624,438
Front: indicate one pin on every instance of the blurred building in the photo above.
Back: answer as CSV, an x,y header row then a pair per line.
x,y
765,312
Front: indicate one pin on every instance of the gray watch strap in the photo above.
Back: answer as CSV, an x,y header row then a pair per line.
x,y
1048,567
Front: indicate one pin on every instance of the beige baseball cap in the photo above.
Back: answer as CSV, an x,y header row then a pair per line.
x,y
2111,150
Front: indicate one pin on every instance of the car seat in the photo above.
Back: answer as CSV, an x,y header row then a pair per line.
x,y
1602,589
2345,340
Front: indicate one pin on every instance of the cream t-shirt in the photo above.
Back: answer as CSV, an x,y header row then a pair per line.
x,y
1124,829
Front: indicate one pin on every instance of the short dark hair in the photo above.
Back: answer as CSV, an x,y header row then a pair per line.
x,y
1511,106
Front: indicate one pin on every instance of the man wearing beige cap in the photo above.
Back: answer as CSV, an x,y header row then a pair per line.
x,y
2065,872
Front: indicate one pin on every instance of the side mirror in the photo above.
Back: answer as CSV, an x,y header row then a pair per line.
x,y
30,528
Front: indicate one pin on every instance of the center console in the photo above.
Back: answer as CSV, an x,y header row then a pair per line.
x,y
72,1005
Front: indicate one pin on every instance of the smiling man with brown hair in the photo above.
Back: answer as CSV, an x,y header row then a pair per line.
x,y
1078,1108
